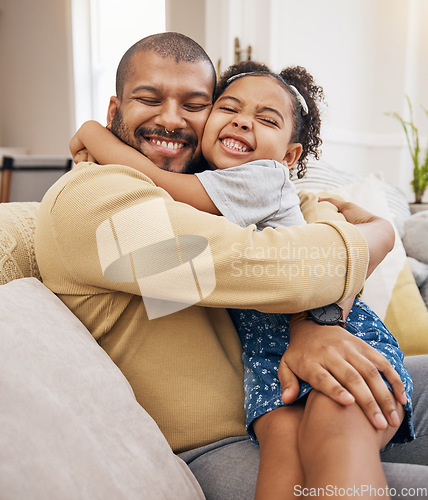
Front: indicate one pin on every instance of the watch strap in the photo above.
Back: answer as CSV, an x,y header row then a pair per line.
x,y
295,318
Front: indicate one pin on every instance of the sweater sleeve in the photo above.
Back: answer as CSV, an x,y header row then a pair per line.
x,y
110,228
315,211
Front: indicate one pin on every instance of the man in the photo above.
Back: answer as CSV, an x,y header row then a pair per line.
x,y
107,237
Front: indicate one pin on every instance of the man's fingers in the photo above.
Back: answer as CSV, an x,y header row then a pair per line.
x,y
346,369
352,212
334,201
318,377
289,383
346,385
323,381
387,400
388,371
354,381
363,380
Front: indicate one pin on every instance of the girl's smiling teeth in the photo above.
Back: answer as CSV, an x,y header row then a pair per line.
x,y
235,145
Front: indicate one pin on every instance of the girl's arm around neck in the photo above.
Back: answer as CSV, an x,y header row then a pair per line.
x,y
107,149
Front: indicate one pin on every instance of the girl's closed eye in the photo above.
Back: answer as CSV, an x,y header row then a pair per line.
x,y
269,121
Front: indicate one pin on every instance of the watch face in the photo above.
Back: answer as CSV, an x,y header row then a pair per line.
x,y
331,314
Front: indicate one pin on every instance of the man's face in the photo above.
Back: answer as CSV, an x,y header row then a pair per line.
x,y
163,110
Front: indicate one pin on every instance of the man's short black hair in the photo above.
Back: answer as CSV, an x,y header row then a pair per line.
x,y
167,45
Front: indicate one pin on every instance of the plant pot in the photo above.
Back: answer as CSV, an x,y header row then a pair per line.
x,y
418,197
417,207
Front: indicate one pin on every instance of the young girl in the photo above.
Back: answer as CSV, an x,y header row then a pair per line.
x,y
261,125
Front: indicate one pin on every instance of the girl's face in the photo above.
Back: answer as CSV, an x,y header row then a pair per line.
x,y
251,120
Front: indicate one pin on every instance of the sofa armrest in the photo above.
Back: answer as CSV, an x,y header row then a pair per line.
x,y
17,228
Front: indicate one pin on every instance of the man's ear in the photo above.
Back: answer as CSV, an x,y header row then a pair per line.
x,y
112,108
292,154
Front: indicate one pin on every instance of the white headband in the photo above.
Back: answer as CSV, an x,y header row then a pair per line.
x,y
301,99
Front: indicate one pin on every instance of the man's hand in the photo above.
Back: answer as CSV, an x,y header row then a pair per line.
x,y
378,232
344,368
353,213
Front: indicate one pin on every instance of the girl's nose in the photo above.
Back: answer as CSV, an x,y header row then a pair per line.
x,y
243,122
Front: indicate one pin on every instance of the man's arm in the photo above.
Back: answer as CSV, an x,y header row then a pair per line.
x,y
274,270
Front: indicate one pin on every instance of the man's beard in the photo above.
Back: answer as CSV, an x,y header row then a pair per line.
x,y
121,131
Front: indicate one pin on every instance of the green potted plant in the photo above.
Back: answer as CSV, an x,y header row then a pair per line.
x,y
420,163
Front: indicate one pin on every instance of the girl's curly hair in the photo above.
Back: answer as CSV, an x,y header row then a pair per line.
x,y
306,128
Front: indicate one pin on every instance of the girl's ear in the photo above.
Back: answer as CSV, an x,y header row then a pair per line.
x,y
112,108
292,154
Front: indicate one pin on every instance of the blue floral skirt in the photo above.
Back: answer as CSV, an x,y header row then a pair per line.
x,y
265,337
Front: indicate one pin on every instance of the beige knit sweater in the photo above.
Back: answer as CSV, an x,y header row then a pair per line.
x,y
17,254
185,367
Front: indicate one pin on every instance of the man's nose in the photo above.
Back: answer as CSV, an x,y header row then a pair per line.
x,y
170,116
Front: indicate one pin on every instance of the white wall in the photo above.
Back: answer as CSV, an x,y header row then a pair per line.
x,y
36,106
188,17
367,54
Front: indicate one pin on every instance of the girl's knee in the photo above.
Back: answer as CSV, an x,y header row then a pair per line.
x,y
324,420
279,424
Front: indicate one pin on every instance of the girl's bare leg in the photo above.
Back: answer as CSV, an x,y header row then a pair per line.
x,y
339,447
280,469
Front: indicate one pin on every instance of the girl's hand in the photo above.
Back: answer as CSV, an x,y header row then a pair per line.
x,y
78,148
343,367
83,155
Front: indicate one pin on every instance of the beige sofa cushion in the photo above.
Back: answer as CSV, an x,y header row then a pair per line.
x,y
17,255
70,426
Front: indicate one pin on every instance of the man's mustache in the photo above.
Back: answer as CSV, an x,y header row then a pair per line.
x,y
178,135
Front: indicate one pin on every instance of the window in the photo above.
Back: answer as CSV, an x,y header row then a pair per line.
x,y
102,31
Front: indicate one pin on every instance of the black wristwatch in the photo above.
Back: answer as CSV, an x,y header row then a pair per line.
x,y
331,314
327,315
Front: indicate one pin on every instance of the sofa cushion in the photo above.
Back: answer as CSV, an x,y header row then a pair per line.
x,y
70,425
17,255
321,176
391,290
415,236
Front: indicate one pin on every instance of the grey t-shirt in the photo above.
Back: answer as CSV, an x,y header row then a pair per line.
x,y
258,192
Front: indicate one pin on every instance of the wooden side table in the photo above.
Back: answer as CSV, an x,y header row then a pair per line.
x,y
5,175
32,189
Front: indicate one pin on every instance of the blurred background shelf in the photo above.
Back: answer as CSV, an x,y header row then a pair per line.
x,y
27,177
